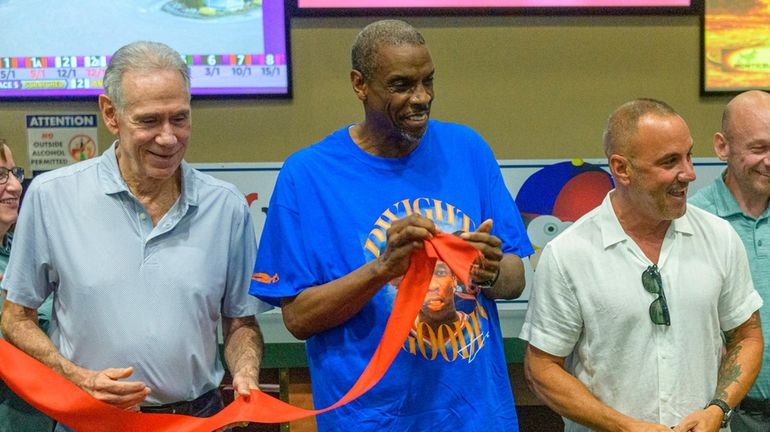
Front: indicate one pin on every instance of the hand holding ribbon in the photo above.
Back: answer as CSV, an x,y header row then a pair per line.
x,y
70,405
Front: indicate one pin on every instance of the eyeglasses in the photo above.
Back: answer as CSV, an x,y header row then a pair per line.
x,y
17,172
652,282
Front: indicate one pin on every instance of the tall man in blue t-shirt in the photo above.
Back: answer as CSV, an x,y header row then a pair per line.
x,y
740,195
344,218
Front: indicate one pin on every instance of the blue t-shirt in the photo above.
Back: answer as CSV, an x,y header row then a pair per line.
x,y
329,214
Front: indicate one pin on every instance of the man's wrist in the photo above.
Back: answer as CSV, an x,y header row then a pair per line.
x,y
380,273
249,373
722,409
489,283
249,370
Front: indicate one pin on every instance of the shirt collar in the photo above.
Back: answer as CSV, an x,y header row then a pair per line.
x,y
5,244
725,204
109,174
112,181
612,231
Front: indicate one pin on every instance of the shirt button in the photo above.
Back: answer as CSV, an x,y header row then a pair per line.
x,y
759,243
142,216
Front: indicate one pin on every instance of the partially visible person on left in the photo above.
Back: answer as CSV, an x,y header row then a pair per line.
x,y
15,414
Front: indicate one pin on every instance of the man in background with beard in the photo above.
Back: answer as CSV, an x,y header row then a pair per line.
x,y
740,196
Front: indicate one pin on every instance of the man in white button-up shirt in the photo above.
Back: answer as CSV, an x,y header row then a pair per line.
x,y
638,293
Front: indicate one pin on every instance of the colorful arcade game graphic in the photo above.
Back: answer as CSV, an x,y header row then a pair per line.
x,y
557,195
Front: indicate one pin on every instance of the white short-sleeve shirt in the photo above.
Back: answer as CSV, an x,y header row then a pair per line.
x,y
588,301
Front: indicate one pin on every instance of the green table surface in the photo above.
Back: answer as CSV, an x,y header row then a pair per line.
x,y
292,354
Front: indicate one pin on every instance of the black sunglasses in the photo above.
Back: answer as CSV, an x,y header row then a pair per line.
x,y
652,282
5,173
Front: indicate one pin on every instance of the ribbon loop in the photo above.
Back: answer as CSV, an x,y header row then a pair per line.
x,y
62,400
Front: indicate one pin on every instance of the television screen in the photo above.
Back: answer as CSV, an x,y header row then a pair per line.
x,y
342,7
233,47
736,45
489,3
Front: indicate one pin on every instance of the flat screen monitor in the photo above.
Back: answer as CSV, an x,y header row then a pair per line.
x,y
736,46
427,7
60,49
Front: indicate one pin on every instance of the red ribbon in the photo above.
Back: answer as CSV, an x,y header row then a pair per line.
x,y
67,403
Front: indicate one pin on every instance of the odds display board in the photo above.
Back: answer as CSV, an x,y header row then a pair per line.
x,y
233,47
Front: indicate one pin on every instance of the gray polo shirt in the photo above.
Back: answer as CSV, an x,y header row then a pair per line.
x,y
127,293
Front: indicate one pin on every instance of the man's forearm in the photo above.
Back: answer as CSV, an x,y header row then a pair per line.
x,y
243,346
322,307
510,282
741,361
19,327
569,397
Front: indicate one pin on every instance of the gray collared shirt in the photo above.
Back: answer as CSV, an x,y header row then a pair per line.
x,y
127,293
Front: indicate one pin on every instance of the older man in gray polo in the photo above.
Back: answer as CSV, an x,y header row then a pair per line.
x,y
143,256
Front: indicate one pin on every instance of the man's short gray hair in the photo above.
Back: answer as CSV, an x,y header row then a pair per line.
x,y
141,56
364,54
